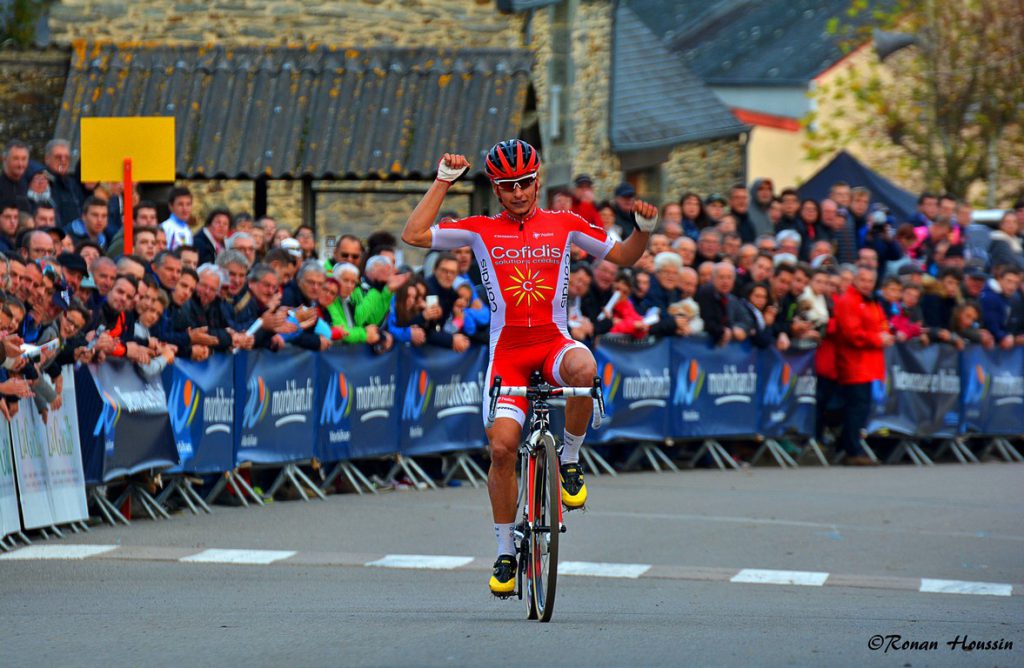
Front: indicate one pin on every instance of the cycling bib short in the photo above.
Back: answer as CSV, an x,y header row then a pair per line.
x,y
524,270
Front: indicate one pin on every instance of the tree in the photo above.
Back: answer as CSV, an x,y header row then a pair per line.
x,y
952,105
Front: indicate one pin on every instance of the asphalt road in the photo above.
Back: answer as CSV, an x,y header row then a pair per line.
x,y
875,533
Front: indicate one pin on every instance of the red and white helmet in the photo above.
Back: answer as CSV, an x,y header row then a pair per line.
x,y
511,159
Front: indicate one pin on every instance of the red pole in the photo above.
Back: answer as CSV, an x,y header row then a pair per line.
x,y
129,196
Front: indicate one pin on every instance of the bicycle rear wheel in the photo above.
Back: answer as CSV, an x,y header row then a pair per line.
x,y
545,528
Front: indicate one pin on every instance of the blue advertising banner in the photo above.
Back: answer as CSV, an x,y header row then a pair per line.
x,y
358,406
993,391
277,421
201,404
637,380
715,389
89,404
788,393
920,395
133,425
442,400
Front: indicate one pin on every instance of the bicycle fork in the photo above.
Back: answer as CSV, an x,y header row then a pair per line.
x,y
524,531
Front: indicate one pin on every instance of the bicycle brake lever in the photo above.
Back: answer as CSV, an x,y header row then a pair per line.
x,y
598,394
495,392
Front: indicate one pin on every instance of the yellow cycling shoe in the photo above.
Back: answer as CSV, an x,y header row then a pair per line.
x,y
503,581
574,490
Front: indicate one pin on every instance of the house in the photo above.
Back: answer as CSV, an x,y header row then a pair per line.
x,y
764,59
333,112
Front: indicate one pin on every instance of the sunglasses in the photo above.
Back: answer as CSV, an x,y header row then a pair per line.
x,y
349,256
510,185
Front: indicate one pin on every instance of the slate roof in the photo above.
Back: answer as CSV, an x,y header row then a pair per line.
x,y
523,5
319,111
656,101
751,42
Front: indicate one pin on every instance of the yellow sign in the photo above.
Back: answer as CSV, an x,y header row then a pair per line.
x,y
147,140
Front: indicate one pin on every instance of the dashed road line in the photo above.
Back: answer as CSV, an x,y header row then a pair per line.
x,y
450,562
58,552
964,587
602,570
763,576
252,557
427,561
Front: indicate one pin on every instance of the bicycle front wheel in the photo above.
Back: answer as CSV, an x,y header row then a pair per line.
x,y
546,526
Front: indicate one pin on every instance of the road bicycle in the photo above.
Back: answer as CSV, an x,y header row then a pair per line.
x,y
540,489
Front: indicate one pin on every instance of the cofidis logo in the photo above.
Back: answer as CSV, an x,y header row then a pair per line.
x,y
337,400
256,403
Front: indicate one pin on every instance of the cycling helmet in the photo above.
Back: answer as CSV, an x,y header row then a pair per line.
x,y
511,159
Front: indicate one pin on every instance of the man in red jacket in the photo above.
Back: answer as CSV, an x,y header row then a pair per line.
x,y
583,200
862,332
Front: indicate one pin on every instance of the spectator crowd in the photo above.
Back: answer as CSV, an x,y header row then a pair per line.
x,y
761,265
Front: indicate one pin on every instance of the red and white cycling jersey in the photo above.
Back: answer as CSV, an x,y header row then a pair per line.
x,y
524,268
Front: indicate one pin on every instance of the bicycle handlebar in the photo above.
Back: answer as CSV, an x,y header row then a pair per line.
x,y
534,392
545,391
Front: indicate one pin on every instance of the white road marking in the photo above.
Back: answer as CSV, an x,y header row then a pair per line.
x,y
601,570
575,568
58,552
763,576
218,556
429,561
964,587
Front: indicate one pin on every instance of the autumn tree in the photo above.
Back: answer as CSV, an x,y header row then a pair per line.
x,y
951,105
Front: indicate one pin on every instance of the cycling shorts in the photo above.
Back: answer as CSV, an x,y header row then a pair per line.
x,y
516,352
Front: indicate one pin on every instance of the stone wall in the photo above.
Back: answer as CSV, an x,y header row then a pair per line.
x,y
453,23
704,168
362,208
31,89
591,53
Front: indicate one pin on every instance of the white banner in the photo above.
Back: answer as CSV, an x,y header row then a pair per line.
x,y
30,467
10,519
48,462
65,477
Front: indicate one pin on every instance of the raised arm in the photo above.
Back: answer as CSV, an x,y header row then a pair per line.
x,y
417,228
627,252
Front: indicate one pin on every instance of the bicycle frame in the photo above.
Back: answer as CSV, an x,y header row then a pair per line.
x,y
529,449
538,543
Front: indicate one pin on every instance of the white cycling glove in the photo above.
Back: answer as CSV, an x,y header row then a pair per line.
x,y
448,174
646,224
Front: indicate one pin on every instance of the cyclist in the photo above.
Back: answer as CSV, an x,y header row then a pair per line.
x,y
523,253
